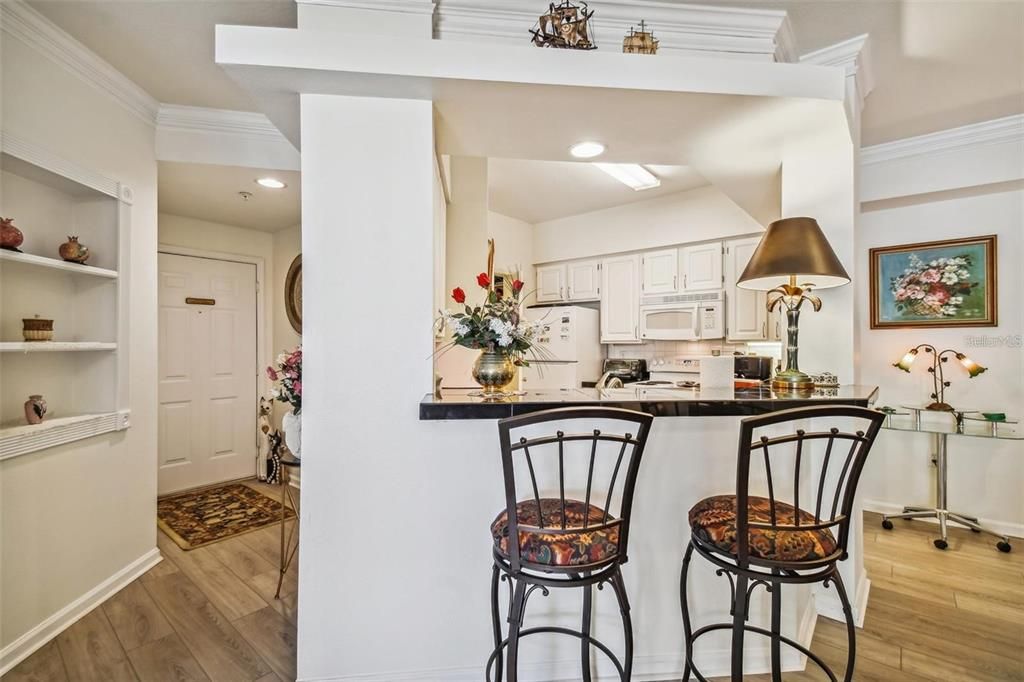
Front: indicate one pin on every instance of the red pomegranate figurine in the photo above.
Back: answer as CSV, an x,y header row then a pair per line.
x,y
73,252
10,236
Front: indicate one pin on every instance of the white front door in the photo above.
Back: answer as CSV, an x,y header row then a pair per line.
x,y
207,372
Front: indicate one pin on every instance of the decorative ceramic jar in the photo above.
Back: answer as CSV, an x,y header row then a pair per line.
x,y
291,423
493,370
73,252
35,409
10,236
36,329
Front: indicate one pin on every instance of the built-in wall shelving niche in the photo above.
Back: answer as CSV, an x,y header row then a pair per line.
x,y
82,372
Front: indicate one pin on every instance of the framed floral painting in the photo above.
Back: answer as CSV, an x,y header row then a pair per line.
x,y
949,283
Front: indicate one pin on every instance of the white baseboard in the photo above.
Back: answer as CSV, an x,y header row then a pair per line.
x,y
649,668
1015,530
830,607
28,643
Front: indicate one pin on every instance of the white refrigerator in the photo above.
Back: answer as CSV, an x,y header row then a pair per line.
x,y
568,349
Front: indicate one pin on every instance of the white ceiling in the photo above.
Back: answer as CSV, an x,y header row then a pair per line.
x,y
207,192
938,64
536,191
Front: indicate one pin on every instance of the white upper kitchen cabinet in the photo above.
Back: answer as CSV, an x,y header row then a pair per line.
x,y
745,313
584,278
551,283
620,299
660,272
701,266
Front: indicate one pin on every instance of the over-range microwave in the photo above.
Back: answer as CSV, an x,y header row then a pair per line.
x,y
683,317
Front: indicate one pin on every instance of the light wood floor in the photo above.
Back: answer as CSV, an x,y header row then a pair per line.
x,y
209,614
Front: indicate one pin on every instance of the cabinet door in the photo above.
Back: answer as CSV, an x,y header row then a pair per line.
x,y
620,299
660,272
702,266
550,283
746,316
584,280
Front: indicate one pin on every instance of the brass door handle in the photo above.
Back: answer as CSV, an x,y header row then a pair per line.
x,y
200,301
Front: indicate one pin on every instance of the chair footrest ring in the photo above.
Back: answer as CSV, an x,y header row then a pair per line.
x,y
760,631
551,629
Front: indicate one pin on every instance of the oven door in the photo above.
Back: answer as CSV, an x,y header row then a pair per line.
x,y
669,322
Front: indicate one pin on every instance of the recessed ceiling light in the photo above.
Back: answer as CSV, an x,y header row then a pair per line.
x,y
270,183
632,174
586,150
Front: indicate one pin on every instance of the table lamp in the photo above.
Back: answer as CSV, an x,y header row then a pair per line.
x,y
939,383
793,250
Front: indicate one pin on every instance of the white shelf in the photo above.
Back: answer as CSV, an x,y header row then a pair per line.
x,y
53,346
22,439
44,262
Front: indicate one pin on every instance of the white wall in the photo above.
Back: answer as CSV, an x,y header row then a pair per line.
x,y
697,215
985,477
77,515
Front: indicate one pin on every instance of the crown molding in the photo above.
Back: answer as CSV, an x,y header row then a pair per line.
x,y
18,20
1008,130
694,29
854,56
179,118
394,6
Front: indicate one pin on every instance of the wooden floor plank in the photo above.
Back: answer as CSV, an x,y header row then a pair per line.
x,y
91,651
241,559
214,642
274,636
166,659
992,608
45,665
135,618
163,568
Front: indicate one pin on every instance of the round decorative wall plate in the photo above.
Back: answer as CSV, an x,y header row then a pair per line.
x,y
293,294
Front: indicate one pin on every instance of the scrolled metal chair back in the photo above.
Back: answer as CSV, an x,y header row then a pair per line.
x,y
833,486
622,448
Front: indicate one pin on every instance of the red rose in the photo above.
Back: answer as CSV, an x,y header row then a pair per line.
x,y
483,280
517,285
459,295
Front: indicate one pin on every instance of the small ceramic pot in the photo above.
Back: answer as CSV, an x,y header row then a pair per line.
x,y
73,252
37,330
10,236
35,409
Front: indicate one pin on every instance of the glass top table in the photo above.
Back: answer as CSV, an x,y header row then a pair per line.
x,y
942,425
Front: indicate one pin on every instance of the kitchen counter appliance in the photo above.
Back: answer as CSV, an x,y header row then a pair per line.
x,y
621,371
683,317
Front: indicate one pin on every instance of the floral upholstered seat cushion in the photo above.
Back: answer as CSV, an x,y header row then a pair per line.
x,y
713,520
558,548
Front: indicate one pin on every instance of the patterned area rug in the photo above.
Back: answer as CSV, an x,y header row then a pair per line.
x,y
201,517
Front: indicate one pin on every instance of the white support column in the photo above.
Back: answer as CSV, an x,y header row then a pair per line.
x,y
367,235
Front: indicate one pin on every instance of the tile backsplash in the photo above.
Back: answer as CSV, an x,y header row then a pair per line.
x,y
671,349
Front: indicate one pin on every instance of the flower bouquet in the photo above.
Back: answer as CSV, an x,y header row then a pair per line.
x,y
933,289
286,373
495,327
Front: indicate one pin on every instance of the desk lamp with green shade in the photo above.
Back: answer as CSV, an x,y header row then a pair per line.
x,y
793,259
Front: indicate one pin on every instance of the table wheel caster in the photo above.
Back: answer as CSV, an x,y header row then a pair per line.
x,y
1003,547
887,524
940,543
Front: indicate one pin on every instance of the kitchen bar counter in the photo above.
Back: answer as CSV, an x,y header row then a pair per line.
x,y
661,402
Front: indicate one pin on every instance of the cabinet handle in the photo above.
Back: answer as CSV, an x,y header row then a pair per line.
x,y
778,330
684,281
764,330
561,293
675,281
570,293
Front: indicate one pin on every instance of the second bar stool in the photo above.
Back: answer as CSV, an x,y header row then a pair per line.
x,y
556,541
764,541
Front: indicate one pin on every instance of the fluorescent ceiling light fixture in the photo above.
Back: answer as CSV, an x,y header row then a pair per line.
x,y
586,150
270,183
631,174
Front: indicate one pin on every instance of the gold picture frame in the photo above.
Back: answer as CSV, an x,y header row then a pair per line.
x,y
293,294
946,283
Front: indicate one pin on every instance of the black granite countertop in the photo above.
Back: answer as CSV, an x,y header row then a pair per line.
x,y
661,402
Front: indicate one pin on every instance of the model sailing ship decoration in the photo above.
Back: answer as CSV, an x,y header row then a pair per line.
x,y
640,42
565,26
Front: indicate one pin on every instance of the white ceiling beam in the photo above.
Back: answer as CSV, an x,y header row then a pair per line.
x,y
222,137
854,56
697,30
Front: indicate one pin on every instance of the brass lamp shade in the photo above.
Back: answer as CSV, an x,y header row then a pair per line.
x,y
793,247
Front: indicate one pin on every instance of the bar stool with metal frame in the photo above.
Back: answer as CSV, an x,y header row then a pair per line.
x,y
564,542
762,541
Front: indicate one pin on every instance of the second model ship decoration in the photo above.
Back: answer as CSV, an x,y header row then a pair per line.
x,y
565,26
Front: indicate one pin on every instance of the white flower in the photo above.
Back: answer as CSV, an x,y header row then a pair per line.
x,y
497,326
461,329
964,274
282,358
949,277
504,340
956,300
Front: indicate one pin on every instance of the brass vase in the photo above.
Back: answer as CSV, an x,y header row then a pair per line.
x,y
493,370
